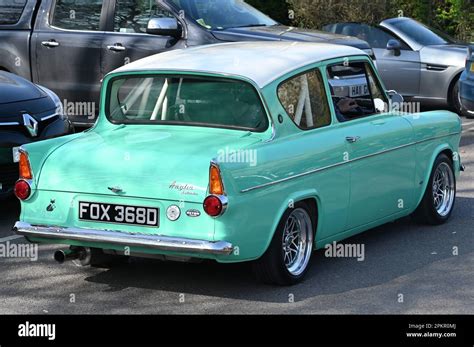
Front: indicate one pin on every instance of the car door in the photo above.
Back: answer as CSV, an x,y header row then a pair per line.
x,y
67,45
399,70
381,154
126,39
319,148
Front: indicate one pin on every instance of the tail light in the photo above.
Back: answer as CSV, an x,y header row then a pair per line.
x,y
216,203
213,206
215,180
22,189
25,168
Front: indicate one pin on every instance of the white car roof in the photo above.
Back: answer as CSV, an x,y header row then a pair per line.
x,y
261,62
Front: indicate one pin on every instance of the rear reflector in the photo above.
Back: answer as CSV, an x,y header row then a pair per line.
x,y
22,190
213,206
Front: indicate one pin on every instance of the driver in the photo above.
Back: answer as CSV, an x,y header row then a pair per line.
x,y
346,105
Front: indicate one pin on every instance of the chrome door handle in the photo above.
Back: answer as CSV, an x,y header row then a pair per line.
x,y
352,139
50,43
379,122
116,48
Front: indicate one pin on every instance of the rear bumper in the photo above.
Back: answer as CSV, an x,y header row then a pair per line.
x,y
161,243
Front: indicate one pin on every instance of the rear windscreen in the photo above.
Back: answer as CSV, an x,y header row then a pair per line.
x,y
11,11
186,101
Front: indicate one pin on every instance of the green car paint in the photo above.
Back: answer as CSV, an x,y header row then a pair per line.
x,y
356,187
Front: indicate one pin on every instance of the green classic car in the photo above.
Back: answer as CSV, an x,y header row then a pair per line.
x,y
239,152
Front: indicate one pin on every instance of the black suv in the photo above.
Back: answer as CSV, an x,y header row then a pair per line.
x,y
69,45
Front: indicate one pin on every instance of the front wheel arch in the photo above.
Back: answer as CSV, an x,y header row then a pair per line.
x,y
452,84
439,198
443,149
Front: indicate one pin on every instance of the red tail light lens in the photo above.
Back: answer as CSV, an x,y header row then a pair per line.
x,y
213,206
22,190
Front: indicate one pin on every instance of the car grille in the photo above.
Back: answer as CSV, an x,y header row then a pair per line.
x,y
15,124
8,176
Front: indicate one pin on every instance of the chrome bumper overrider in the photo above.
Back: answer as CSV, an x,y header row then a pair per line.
x,y
162,243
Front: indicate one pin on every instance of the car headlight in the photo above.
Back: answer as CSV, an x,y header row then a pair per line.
x,y
57,102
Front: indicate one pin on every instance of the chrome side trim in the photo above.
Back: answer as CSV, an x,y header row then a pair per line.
x,y
49,117
343,163
9,124
162,243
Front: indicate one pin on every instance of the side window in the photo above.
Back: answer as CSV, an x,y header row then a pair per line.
x,y
379,38
305,101
376,37
132,16
355,91
77,14
11,11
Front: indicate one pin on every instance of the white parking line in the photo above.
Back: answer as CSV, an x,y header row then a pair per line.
x,y
10,238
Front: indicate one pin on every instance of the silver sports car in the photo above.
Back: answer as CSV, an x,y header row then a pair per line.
x,y
419,62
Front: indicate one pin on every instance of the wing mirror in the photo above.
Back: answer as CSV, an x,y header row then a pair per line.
x,y
394,46
380,106
164,27
396,100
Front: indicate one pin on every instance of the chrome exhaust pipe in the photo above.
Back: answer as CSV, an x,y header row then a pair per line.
x,y
79,255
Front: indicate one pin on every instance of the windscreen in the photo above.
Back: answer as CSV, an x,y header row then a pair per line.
x,y
420,33
222,14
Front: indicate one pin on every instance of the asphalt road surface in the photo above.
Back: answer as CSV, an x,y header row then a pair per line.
x,y
407,269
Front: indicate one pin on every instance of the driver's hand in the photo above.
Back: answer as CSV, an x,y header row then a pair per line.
x,y
347,105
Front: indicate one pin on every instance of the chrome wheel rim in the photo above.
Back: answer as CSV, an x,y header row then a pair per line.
x,y
297,241
443,189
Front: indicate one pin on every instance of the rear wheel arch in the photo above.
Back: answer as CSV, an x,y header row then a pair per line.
x,y
314,204
283,266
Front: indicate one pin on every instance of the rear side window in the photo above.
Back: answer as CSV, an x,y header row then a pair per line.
x,y
305,101
132,16
77,14
11,11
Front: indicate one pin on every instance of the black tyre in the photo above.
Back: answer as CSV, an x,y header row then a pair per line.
x,y
456,101
287,259
440,196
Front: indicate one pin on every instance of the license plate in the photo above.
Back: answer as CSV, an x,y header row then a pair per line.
x,y
119,214
472,67
358,90
16,154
